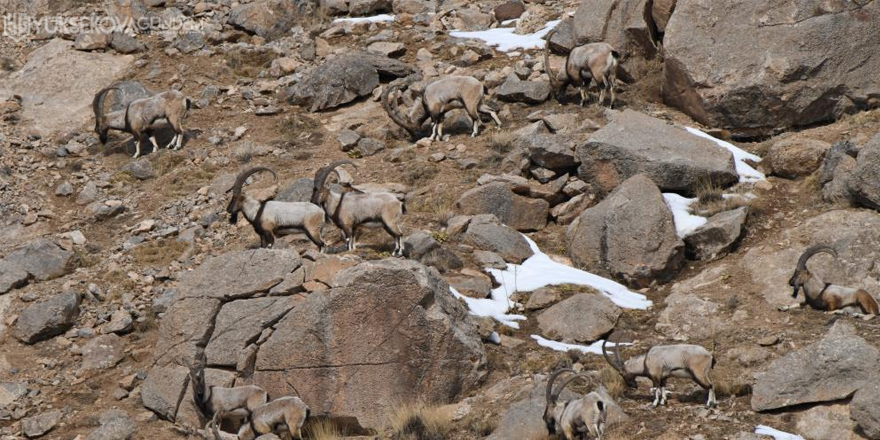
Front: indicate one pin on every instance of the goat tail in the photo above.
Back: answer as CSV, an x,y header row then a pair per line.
x,y
869,304
390,106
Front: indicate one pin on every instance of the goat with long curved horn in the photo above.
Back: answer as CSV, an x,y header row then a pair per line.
x,y
349,209
829,297
583,65
271,218
587,413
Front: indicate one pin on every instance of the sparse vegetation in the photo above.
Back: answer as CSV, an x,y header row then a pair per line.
x,y
502,142
612,381
322,429
158,253
713,199
419,422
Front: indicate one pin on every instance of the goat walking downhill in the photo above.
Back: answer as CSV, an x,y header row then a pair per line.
x,y
350,209
661,362
272,218
140,115
829,297
218,403
587,413
584,64
439,97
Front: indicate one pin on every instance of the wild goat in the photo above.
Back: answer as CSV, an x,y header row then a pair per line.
x,y
217,403
288,411
439,97
584,64
272,218
825,296
139,116
350,209
662,362
587,413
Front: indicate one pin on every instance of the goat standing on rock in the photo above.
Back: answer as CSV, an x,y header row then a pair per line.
x,y
272,218
218,403
661,362
140,115
585,414
829,297
584,64
350,209
439,97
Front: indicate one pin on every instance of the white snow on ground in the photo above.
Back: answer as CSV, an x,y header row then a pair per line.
x,y
374,19
746,172
540,271
594,348
775,433
685,222
506,40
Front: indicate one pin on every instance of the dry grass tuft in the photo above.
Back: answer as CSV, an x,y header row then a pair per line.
x,y
502,142
158,253
419,422
611,380
323,429
711,199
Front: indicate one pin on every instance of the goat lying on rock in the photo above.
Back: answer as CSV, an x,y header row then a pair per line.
x,y
661,362
349,209
272,218
587,413
140,115
829,297
439,97
584,64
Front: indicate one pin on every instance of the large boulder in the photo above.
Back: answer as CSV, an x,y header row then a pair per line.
x,y
343,79
57,85
552,151
862,181
714,74
239,274
42,259
364,346
635,143
518,212
486,233
831,369
582,318
715,238
241,322
529,92
11,277
269,19
865,409
45,319
630,235
688,317
854,233
624,24
796,157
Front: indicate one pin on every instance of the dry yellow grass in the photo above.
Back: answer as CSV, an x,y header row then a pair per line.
x,y
611,380
417,421
323,430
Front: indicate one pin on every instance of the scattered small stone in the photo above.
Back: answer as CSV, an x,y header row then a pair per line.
x,y
768,341
41,424
64,190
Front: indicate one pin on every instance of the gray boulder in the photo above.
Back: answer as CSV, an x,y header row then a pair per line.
x,y
102,352
865,409
115,425
529,92
486,233
239,324
343,79
126,44
298,191
831,369
862,181
141,169
42,259
634,143
688,317
796,157
551,151
425,249
11,277
714,239
40,424
564,39
47,318
713,73
239,274
629,235
270,19
127,91
518,212
582,318
358,349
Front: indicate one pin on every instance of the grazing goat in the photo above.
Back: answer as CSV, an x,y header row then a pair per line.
x,y
439,97
217,403
662,362
584,64
139,116
350,209
272,218
829,297
288,411
587,413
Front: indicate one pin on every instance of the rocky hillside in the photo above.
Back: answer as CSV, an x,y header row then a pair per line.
x,y
743,133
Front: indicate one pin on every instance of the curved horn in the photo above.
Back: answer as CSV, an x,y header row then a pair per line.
x,y
100,118
570,380
813,250
391,108
551,397
321,178
616,364
547,68
242,178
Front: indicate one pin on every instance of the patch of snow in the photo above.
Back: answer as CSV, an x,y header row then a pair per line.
x,y
540,271
745,171
594,348
685,222
495,338
374,19
506,40
775,433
